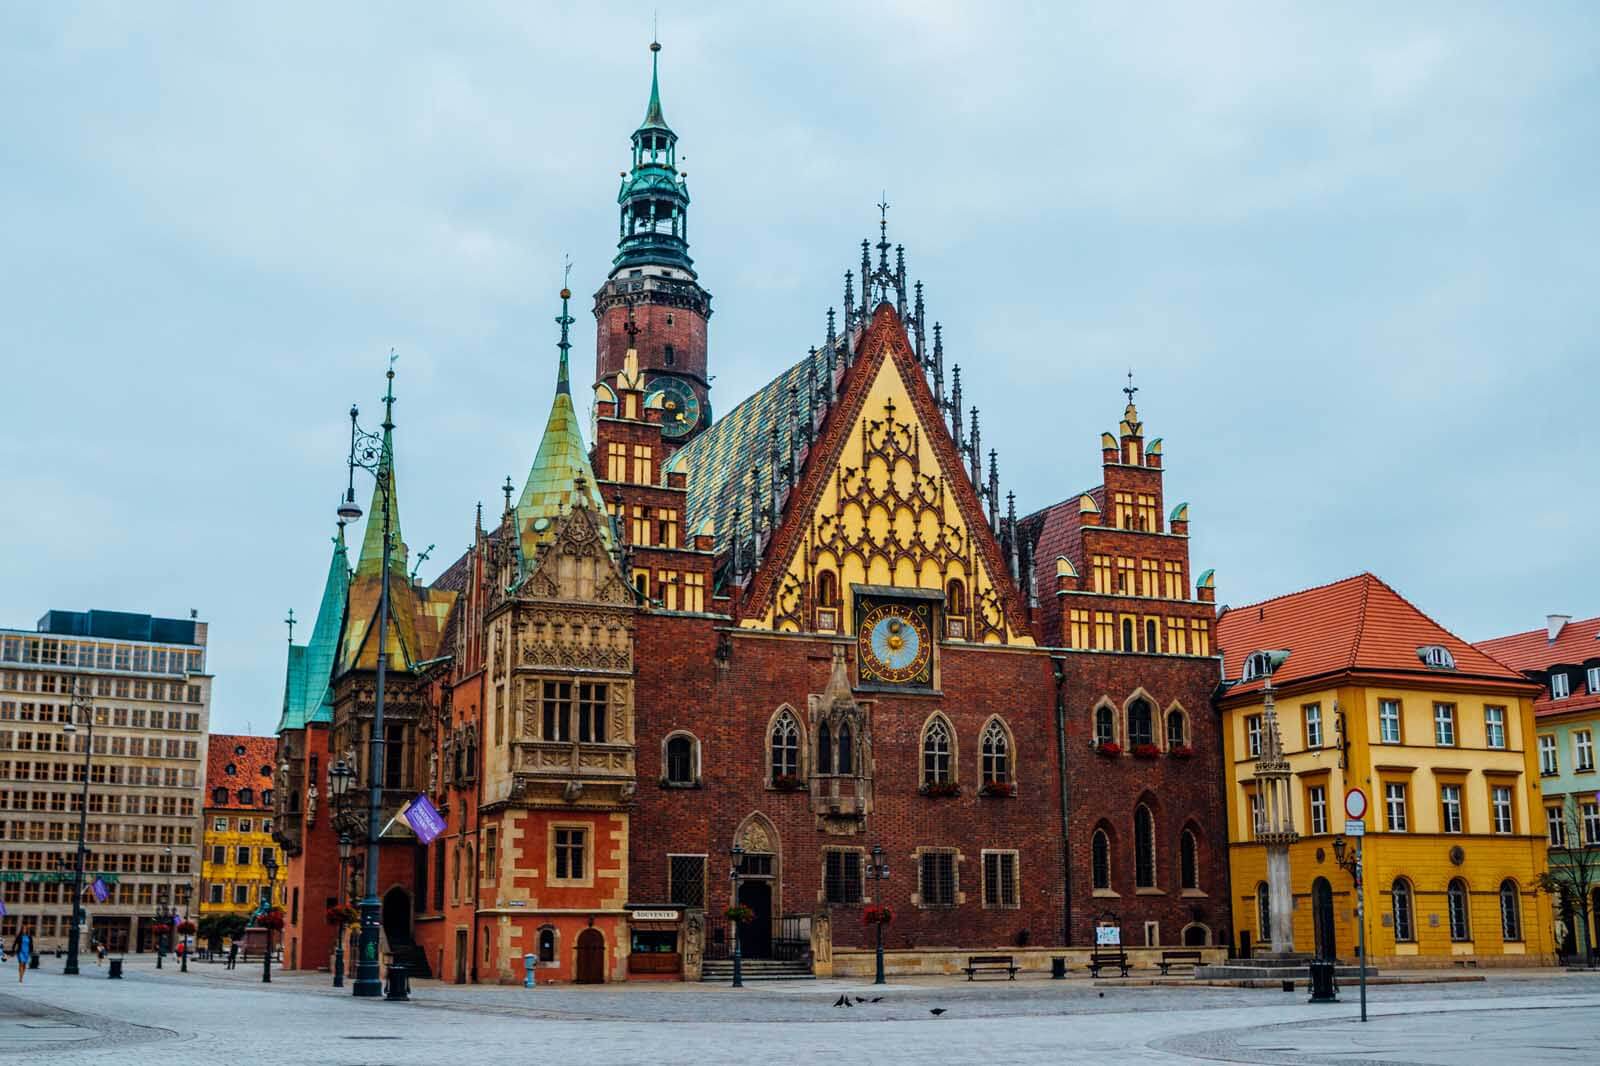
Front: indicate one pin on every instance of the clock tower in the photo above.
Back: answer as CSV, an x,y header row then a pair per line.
x,y
652,301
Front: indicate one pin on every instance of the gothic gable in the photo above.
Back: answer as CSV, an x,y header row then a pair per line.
x,y
576,564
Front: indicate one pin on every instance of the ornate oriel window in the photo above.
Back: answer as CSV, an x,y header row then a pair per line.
x,y
936,757
996,754
1144,847
847,750
785,746
824,749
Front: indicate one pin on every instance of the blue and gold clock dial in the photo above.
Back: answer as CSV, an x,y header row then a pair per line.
x,y
893,644
680,405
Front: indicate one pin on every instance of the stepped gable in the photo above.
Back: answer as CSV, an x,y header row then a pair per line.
x,y
1056,532
884,339
1358,624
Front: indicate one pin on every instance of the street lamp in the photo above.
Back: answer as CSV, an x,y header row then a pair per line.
x,y
81,705
338,944
370,452
1352,864
738,964
878,870
270,861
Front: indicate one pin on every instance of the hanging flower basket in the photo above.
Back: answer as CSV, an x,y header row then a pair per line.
x,y
787,783
739,914
187,928
877,914
1183,751
1146,751
1108,748
272,920
343,915
1004,789
161,928
941,788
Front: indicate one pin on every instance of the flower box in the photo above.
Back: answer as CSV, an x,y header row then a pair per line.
x,y
739,914
1004,789
877,914
343,915
787,783
272,920
1181,752
187,928
1108,748
1146,751
939,789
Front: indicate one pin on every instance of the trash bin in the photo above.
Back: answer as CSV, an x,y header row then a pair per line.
x,y
116,969
397,991
1058,967
1323,988
33,961
530,970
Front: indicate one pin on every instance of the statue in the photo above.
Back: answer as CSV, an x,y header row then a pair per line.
x,y
311,805
433,771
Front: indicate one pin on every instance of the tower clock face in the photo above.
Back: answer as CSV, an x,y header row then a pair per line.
x,y
680,406
894,644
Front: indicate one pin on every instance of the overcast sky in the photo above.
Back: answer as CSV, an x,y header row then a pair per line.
x,y
1348,250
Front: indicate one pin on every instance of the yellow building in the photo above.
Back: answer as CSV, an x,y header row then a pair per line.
x,y
238,825
1371,693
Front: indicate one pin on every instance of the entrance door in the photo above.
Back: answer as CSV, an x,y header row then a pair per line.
x,y
461,956
591,968
1322,918
397,917
755,936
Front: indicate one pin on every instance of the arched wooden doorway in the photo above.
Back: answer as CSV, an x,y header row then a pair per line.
x,y
1322,919
397,917
591,964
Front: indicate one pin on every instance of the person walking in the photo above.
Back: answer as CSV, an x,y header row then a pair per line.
x,y
99,952
233,954
22,948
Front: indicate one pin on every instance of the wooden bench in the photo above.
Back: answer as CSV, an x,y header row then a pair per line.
x,y
1117,958
1190,959
977,964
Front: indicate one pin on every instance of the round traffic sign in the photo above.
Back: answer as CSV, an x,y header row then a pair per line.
x,y
1355,803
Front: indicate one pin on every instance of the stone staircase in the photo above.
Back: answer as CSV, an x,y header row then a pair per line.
x,y
1275,968
721,970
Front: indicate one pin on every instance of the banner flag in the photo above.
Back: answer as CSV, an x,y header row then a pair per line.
x,y
424,819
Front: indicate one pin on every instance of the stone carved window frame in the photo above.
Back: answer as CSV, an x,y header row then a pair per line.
x,y
1104,831
1104,703
802,744
1009,739
1157,720
958,897
953,738
695,780
1164,738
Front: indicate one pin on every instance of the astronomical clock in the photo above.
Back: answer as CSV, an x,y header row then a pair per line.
x,y
895,638
681,408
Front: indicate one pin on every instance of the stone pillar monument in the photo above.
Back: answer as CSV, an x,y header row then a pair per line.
x,y
1275,829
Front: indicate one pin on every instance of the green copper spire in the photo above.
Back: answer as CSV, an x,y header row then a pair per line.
x,y
307,692
654,198
653,119
561,477
563,381
370,561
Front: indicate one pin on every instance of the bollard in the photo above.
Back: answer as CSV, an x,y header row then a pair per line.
x,y
1058,968
1323,989
397,991
116,970
33,961
530,970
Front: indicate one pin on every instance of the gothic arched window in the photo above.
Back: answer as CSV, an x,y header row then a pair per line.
x,y
827,589
1188,860
996,754
847,754
1128,642
936,760
1144,848
1101,860
1400,907
1105,725
785,746
1177,730
1510,911
824,749
547,944
955,598
1457,906
1141,725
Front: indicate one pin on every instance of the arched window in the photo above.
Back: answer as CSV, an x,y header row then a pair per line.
x,y
1144,848
472,754
1151,642
936,761
547,944
455,877
472,874
824,749
458,762
785,746
1460,916
1102,860
219,796
680,759
1189,860
1141,723
1128,643
1510,911
1177,731
955,597
996,757
1105,725
1400,907
1263,913
827,589
847,752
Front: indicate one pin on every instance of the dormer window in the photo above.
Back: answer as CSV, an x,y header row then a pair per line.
x,y
1437,656
1257,664
1560,689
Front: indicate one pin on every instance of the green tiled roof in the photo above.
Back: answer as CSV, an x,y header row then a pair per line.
x,y
721,459
307,689
370,561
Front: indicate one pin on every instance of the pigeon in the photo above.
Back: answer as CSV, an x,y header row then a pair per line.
x,y
843,1001
877,999
935,1011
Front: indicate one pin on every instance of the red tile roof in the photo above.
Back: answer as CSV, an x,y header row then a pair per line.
x,y
1533,650
1358,624
1057,532
259,754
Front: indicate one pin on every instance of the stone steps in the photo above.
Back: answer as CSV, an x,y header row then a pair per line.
x,y
756,970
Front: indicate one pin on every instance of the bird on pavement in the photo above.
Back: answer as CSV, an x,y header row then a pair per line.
x,y
935,1011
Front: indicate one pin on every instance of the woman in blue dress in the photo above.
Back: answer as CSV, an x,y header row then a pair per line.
x,y
22,948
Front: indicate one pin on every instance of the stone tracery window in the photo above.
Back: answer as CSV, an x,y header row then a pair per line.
x,y
1105,724
785,747
824,748
996,754
1144,848
1177,729
847,754
937,763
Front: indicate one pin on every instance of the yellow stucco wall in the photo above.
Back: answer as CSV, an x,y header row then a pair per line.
x,y
230,873
1423,853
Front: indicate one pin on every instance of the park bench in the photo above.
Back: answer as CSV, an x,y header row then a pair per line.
x,y
1099,958
977,964
1189,958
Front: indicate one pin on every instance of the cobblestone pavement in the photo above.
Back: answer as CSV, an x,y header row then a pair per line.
x,y
212,1014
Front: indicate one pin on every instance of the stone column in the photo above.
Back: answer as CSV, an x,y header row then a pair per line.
x,y
1277,830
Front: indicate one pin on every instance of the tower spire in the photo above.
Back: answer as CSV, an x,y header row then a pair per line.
x,y
653,118
564,320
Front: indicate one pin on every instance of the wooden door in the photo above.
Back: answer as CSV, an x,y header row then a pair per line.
x,y
461,956
591,967
1322,919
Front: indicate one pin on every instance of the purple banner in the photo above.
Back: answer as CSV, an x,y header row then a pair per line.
x,y
101,893
424,819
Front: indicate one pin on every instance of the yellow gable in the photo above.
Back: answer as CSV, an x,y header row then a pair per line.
x,y
889,516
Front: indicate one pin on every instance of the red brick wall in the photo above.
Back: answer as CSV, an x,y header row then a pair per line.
x,y
687,335
314,873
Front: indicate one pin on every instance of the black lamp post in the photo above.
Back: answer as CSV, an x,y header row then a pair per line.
x,y
270,861
161,919
370,452
81,706
878,870
338,943
1352,863
738,963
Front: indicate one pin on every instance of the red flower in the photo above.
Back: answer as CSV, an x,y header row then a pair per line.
x,y
1146,751
999,788
1109,747
1183,751
877,914
187,928
941,788
272,920
739,914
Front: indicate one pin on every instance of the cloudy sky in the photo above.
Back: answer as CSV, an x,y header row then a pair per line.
x,y
1348,250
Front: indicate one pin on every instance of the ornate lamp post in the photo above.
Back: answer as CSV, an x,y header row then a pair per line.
x,y
878,870
270,861
1352,864
340,776
81,706
370,452
738,963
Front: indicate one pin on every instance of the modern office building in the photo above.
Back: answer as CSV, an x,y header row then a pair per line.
x,y
144,679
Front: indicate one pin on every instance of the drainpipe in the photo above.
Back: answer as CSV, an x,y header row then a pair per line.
x,y
1059,667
